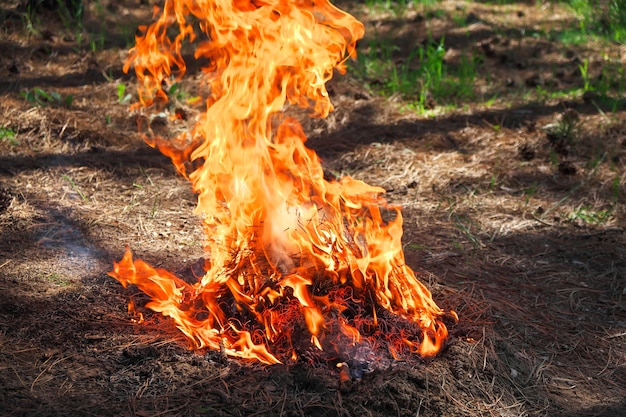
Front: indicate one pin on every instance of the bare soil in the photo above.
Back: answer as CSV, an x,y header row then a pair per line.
x,y
521,234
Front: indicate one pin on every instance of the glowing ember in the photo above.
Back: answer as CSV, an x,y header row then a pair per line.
x,y
289,253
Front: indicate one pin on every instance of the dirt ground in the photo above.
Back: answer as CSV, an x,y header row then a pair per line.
x,y
519,231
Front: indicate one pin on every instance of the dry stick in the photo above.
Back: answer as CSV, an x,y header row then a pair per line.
x,y
608,362
419,407
49,367
168,411
17,374
282,408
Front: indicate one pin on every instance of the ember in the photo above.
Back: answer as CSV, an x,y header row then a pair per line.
x,y
289,253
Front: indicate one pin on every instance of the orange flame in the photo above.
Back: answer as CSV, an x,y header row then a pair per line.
x,y
280,238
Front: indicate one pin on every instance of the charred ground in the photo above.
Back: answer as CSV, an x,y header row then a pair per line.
x,y
512,224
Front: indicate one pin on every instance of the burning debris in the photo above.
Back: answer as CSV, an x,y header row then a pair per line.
x,y
294,262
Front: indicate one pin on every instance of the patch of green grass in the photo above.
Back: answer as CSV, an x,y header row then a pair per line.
x,y
397,7
8,135
423,78
590,216
39,97
416,246
602,18
58,280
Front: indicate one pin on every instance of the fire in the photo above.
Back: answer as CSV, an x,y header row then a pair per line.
x,y
288,251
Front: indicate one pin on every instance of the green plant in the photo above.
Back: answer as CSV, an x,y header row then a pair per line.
x,y
75,187
603,18
565,129
492,183
71,13
422,78
397,7
122,97
467,71
58,280
39,97
177,92
30,20
8,135
554,158
589,216
465,226
584,72
155,207
615,187
530,192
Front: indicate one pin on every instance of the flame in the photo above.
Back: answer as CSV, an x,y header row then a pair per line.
x,y
283,243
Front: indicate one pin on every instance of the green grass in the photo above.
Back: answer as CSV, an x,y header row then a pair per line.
x,y
397,7
58,280
422,79
591,216
9,136
122,96
429,84
602,18
40,97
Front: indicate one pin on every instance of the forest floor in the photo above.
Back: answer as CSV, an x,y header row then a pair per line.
x,y
513,204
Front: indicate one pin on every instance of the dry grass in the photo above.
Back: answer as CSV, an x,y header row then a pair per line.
x,y
529,252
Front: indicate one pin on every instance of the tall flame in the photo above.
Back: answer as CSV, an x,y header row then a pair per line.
x,y
283,244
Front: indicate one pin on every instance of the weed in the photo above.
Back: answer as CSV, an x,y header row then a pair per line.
x,y
145,174
155,207
615,186
584,72
589,216
530,192
39,97
75,188
423,78
565,130
398,7
58,280
71,14
554,158
30,21
491,101
466,228
606,19
122,97
467,71
177,92
8,135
